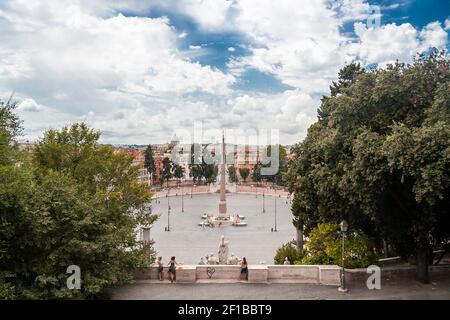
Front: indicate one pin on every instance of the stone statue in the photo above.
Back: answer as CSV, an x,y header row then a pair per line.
x,y
223,251
286,261
233,260
203,261
212,260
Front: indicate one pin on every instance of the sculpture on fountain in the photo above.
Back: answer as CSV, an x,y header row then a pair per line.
x,y
212,260
223,251
233,260
223,218
223,258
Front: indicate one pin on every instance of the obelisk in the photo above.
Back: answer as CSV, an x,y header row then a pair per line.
x,y
223,201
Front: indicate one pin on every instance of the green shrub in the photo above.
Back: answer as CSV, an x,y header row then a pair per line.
x,y
324,247
290,251
358,251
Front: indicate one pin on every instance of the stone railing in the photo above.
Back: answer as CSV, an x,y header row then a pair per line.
x,y
317,274
397,273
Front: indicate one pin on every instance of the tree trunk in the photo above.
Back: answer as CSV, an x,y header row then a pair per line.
x,y
422,261
385,248
300,237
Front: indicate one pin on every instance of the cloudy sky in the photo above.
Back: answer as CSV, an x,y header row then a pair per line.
x,y
140,69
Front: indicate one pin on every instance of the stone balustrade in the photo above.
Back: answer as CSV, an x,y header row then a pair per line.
x,y
325,275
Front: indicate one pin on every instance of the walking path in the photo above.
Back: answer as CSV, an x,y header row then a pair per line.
x,y
439,289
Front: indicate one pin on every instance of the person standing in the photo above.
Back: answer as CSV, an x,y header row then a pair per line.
x,y
172,269
160,268
244,269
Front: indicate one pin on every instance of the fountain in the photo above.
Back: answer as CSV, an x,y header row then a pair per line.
x,y
222,219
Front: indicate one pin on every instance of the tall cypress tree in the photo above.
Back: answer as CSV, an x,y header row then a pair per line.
x,y
149,161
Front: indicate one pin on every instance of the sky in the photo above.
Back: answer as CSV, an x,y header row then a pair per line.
x,y
141,71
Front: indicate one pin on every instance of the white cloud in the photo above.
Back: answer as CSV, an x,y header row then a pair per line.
x,y
392,42
290,112
447,24
300,47
350,10
29,105
209,15
73,60
433,35
387,43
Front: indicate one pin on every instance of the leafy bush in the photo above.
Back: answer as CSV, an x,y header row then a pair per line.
x,y
290,251
321,238
357,253
324,247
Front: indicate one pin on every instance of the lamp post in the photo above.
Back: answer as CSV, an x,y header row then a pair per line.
x,y
168,212
182,197
344,228
182,201
275,209
264,207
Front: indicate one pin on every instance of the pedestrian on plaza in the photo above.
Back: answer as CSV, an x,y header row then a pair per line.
x,y
160,268
244,269
172,269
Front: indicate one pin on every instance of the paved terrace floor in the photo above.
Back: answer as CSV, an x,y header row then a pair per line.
x,y
406,290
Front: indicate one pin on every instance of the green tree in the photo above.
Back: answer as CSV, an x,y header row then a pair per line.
x,y
256,173
73,202
178,171
244,172
91,203
210,172
324,247
149,161
167,170
280,162
379,157
196,170
10,128
232,174
289,251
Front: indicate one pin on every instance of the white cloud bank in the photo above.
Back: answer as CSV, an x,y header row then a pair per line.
x,y
78,60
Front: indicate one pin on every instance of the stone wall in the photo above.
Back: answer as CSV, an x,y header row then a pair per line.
x,y
396,273
326,275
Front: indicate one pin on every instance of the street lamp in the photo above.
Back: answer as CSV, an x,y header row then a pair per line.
x,y
182,201
264,207
344,228
168,212
182,198
275,210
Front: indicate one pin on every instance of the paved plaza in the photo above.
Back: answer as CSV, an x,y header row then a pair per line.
x,y
188,241
406,290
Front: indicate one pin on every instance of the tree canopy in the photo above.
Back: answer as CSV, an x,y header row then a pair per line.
x,y
379,156
71,201
149,161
